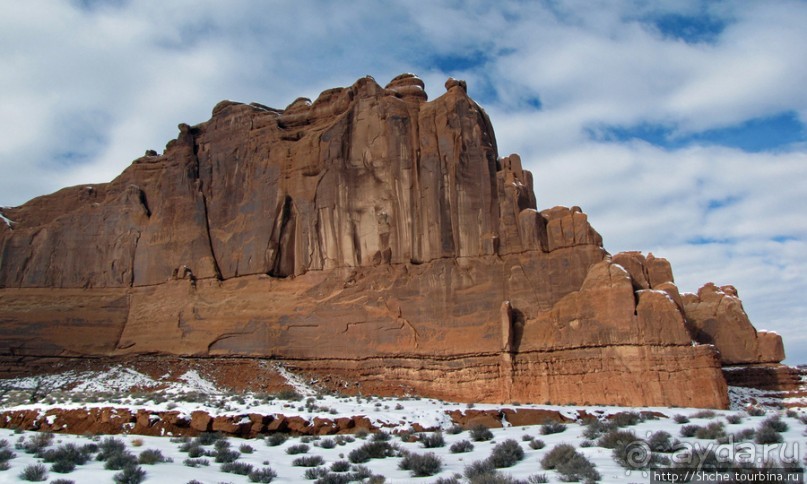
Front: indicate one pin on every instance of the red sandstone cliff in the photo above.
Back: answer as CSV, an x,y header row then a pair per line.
x,y
372,238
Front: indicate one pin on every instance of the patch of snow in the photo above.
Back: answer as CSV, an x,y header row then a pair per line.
x,y
6,220
196,382
298,384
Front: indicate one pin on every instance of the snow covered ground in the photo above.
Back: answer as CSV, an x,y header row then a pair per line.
x,y
191,391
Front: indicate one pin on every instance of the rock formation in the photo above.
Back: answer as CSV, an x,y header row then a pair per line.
x,y
373,239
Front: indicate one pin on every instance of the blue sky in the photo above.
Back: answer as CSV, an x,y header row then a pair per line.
x,y
677,125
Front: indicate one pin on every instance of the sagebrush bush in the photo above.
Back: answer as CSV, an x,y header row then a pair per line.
x,y
662,441
381,437
537,479
713,430
297,449
63,466
475,471
614,437
421,465
767,435
315,473
776,423
246,449
340,466
577,468
707,414
461,447
734,418
109,447
755,411
196,462
240,468
480,433
371,450
681,419
329,478
151,457
264,475
327,443
209,438
276,439
626,419
455,430
226,455
506,454
130,475
432,440
689,430
552,428
595,428
308,461
537,444
120,461
558,454
34,473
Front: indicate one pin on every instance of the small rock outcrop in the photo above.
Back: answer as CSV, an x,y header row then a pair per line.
x,y
373,239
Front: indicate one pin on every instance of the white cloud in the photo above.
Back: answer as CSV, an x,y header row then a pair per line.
x,y
109,82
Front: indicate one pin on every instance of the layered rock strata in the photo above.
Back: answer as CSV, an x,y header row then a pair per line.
x,y
373,239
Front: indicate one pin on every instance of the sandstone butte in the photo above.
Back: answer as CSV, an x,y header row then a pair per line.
x,y
374,241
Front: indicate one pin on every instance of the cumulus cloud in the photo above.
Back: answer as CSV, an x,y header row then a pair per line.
x,y
613,105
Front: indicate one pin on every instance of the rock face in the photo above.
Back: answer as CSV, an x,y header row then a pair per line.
x,y
373,239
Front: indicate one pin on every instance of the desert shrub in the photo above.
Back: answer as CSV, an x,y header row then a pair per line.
x,y
506,454
130,475
151,457
537,479
65,458
636,455
381,437
225,456
221,444
308,461
34,473
276,439
455,430
461,447
552,428
755,411
6,455
264,475
315,473
298,449
109,447
626,419
448,480
432,441
240,468
196,462
120,461
421,465
371,450
587,443
767,435
63,466
775,423
62,481
681,419
704,414
289,394
362,433
661,441
734,418
480,433
614,437
595,428
361,472
246,449
328,478
478,469
558,454
689,430
327,443
537,444
209,438
577,468
340,466
714,430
